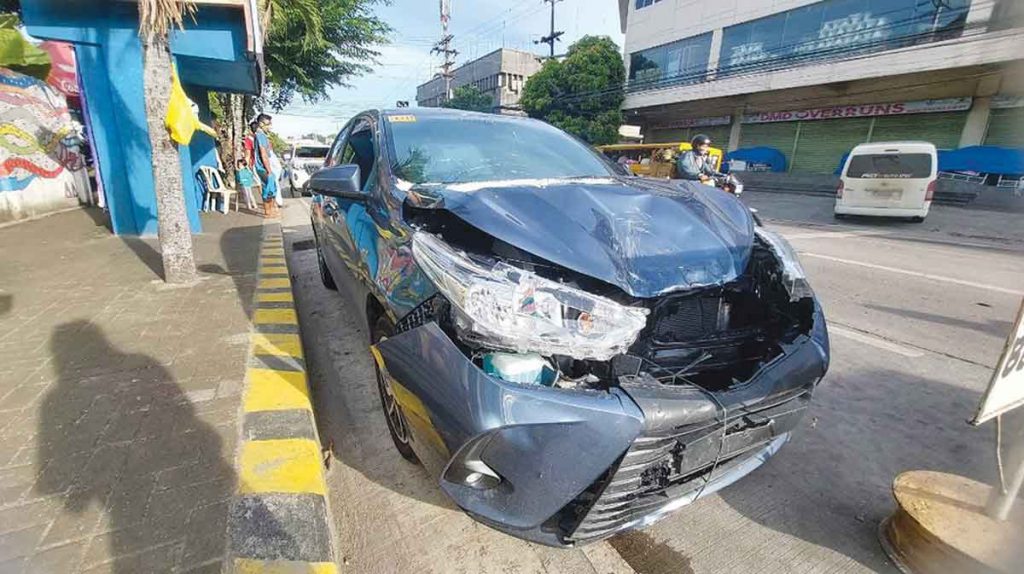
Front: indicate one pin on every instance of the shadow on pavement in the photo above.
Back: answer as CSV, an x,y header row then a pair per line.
x,y
240,250
124,450
6,304
146,253
864,427
998,329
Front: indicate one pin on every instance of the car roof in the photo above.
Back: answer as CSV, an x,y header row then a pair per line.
x,y
899,145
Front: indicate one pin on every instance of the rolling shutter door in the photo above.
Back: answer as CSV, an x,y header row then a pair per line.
x,y
823,143
943,130
1006,128
779,135
667,135
719,135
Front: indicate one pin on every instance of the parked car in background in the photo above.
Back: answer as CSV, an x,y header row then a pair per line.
x,y
888,179
305,158
571,351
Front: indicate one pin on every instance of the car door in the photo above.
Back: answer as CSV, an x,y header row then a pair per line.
x,y
326,210
348,228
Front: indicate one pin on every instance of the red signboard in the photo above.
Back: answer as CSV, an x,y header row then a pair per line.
x,y
861,111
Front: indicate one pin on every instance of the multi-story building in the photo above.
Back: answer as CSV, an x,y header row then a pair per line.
x,y
813,78
500,74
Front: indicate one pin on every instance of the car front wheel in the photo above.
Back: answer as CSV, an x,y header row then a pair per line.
x,y
398,427
325,274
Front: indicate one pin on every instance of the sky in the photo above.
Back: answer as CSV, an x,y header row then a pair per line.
x,y
479,27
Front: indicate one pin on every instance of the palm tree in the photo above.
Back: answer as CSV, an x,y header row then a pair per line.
x,y
156,17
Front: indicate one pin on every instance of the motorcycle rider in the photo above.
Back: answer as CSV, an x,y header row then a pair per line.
x,y
695,165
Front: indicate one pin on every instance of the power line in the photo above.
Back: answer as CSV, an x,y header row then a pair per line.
x,y
553,36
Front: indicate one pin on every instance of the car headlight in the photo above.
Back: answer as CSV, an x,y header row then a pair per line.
x,y
794,278
504,307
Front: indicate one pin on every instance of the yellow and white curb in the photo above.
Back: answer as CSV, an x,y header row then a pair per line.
x,y
279,520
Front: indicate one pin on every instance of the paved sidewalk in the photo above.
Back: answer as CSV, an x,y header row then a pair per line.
x,y
119,396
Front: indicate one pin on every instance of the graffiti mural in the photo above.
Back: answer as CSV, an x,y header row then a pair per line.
x,y
41,163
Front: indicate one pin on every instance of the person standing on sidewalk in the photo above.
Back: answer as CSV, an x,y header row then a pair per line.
x,y
246,181
262,153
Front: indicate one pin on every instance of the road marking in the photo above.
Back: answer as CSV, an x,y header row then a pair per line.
x,y
274,283
833,234
275,316
277,344
274,270
281,297
273,390
280,465
245,566
944,279
877,342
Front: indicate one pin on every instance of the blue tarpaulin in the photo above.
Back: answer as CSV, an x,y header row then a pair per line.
x,y
987,159
983,159
760,158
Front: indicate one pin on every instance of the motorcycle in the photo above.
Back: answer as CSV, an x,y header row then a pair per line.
x,y
728,183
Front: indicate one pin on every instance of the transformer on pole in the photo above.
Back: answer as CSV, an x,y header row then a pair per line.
x,y
444,47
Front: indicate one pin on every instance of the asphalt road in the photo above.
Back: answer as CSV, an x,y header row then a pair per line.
x,y
918,315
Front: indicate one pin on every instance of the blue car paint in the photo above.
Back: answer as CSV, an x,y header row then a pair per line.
x,y
547,444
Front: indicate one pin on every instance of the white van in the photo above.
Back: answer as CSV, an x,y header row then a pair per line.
x,y
888,179
304,159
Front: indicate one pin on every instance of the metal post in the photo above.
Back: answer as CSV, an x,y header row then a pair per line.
x,y
553,36
1010,444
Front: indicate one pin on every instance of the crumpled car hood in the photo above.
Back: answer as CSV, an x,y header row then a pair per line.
x,y
644,236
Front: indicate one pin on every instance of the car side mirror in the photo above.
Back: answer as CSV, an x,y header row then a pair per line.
x,y
339,181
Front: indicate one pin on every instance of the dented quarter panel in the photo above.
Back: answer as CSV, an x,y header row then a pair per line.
x,y
548,444
644,236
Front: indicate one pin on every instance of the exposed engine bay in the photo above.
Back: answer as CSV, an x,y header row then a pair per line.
x,y
716,336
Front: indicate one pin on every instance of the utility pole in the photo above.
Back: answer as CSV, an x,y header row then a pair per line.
x,y
554,36
444,47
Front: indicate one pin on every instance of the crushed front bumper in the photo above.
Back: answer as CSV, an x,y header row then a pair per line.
x,y
577,466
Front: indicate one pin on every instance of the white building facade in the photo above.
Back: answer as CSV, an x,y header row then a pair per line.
x,y
500,74
813,78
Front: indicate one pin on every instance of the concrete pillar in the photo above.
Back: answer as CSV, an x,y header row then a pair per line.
x,y
735,129
977,122
716,50
977,119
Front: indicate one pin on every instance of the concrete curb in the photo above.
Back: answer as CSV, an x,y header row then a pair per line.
x,y
279,520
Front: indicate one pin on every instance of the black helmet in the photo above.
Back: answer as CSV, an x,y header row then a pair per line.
x,y
700,139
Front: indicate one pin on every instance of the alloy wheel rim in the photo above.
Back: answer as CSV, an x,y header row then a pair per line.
x,y
391,410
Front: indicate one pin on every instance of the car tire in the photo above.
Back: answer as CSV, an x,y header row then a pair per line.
x,y
839,216
398,427
325,273
917,219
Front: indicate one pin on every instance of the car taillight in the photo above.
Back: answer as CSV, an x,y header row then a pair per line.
x,y
839,190
930,191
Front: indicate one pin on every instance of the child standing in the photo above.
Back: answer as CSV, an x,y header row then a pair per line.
x,y
246,181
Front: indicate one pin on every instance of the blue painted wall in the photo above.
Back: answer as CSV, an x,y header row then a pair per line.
x,y
210,54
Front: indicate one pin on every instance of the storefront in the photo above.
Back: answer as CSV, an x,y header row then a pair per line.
x,y
717,128
1006,123
814,140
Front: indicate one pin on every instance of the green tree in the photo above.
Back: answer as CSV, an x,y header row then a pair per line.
x,y
156,18
470,98
581,94
314,45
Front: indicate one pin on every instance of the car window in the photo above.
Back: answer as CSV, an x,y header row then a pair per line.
x,y
359,149
311,152
472,148
890,166
334,156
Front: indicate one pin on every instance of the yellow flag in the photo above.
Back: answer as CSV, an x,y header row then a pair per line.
x,y
182,121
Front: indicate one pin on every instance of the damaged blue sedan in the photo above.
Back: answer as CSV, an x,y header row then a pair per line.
x,y
571,351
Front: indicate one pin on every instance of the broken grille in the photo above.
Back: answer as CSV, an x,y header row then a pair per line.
x,y
657,470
